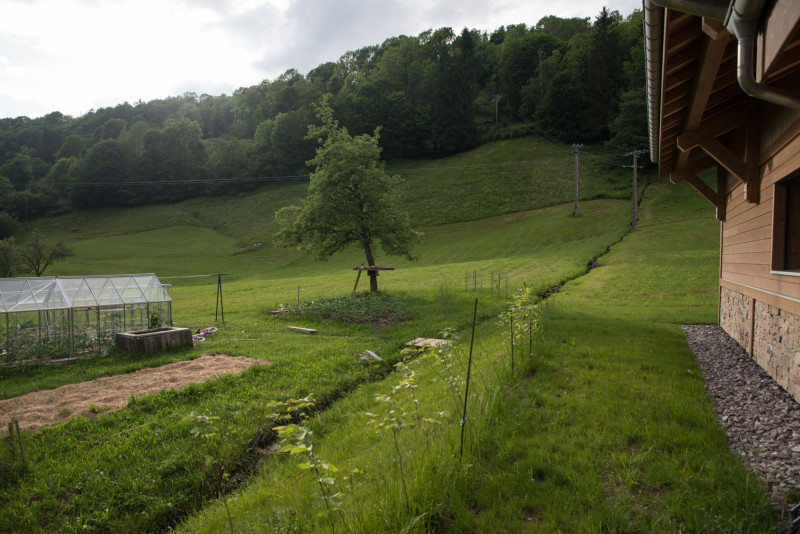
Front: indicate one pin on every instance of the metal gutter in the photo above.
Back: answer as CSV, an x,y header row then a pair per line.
x,y
741,19
654,39
742,22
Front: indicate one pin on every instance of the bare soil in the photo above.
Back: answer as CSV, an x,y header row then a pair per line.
x,y
54,406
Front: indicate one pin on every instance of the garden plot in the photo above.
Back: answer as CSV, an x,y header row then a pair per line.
x,y
54,406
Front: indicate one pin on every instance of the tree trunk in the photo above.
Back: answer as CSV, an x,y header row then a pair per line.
x,y
373,275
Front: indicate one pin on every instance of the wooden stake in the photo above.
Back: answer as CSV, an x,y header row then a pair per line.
x,y
19,440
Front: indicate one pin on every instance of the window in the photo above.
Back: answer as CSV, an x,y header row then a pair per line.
x,y
786,226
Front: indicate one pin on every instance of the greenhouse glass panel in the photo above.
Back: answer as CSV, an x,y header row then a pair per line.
x,y
31,294
46,318
78,292
129,290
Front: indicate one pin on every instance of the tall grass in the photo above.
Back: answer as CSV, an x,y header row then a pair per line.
x,y
604,427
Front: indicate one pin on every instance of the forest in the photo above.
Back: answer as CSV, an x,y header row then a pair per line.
x,y
576,80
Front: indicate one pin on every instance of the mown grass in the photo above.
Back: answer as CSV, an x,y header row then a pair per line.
x,y
593,433
141,469
503,177
605,427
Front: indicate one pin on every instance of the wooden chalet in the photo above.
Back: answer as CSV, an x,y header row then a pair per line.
x,y
723,81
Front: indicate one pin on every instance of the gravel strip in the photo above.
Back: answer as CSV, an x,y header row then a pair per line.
x,y
761,419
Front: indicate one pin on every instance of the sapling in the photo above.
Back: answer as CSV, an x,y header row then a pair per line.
x,y
297,439
522,318
396,418
204,429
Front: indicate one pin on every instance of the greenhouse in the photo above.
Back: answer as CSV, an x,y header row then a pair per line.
x,y
50,318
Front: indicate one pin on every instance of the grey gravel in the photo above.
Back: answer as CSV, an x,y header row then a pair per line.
x,y
761,419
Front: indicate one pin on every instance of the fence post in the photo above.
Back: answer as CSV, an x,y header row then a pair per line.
x,y
466,389
512,342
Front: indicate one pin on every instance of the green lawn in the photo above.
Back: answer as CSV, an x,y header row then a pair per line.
x,y
605,427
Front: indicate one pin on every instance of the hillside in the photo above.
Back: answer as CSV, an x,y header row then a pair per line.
x,y
431,95
591,423
216,234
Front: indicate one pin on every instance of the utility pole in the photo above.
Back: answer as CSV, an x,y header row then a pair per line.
x,y
576,147
635,166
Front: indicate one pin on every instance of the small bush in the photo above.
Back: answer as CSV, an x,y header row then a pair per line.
x,y
379,310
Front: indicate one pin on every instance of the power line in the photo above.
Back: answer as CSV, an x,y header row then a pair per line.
x,y
286,177
539,132
605,159
552,139
190,181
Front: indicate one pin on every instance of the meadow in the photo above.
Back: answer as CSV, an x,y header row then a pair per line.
x,y
599,422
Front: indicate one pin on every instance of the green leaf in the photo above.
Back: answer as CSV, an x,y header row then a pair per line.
x,y
328,467
327,480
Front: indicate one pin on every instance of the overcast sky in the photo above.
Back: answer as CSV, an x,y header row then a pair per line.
x,y
76,55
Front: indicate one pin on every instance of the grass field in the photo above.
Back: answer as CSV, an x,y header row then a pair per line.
x,y
602,426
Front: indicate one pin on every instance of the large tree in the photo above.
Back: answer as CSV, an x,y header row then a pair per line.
x,y
351,199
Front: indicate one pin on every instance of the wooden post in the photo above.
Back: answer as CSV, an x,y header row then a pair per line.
x,y
512,343
358,277
220,306
19,440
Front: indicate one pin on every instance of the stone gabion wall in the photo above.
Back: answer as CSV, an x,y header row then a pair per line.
x,y
735,316
776,343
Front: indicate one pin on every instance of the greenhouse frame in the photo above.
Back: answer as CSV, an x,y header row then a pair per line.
x,y
48,318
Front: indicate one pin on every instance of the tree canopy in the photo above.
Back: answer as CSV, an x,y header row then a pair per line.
x,y
351,199
437,93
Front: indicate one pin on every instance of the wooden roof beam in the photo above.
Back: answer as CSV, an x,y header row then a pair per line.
x,y
711,146
700,186
710,60
694,167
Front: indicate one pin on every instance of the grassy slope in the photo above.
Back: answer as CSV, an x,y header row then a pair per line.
x,y
606,428
208,235
618,433
62,489
147,448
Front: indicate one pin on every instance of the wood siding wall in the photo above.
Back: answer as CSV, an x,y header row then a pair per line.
x,y
747,231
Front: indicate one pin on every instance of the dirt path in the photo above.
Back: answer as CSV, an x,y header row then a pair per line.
x,y
54,406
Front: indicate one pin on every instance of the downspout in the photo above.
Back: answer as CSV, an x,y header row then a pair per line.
x,y
742,22
741,19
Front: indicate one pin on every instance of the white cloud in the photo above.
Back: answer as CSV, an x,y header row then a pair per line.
x,y
74,55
